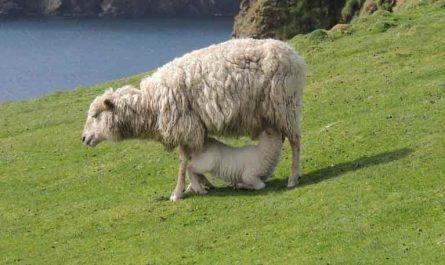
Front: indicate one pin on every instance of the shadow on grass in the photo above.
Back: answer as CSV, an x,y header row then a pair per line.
x,y
319,175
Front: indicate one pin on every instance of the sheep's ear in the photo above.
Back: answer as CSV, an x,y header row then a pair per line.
x,y
108,99
109,104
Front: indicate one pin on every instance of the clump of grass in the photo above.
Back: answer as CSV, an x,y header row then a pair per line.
x,y
381,26
340,30
382,14
318,35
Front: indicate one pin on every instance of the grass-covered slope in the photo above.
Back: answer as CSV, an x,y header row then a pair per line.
x,y
372,191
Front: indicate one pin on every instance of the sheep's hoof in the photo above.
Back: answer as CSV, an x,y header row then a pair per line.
x,y
293,182
176,196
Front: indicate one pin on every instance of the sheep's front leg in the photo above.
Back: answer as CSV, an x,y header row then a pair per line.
x,y
178,193
294,178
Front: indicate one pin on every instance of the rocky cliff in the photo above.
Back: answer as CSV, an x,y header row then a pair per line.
x,y
117,8
256,18
286,18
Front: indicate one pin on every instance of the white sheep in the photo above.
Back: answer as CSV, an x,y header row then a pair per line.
x,y
244,167
236,88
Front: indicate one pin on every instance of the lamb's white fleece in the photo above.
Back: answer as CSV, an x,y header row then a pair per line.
x,y
244,167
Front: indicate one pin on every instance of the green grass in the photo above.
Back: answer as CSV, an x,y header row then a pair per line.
x,y
373,184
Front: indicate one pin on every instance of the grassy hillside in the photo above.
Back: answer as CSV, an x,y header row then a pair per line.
x,y
373,185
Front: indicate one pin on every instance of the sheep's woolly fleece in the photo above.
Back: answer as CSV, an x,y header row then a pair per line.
x,y
239,87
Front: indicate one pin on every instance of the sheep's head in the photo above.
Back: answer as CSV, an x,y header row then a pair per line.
x,y
99,125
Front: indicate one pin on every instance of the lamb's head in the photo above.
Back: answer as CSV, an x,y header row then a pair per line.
x,y
100,123
271,135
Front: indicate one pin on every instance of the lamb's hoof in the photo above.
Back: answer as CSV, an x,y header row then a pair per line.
x,y
189,189
202,192
199,190
209,187
176,196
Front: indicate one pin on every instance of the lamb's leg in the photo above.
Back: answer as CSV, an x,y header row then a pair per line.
x,y
294,178
204,181
251,184
180,185
195,183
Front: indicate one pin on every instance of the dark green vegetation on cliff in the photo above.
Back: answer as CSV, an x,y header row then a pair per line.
x,y
373,184
117,8
285,19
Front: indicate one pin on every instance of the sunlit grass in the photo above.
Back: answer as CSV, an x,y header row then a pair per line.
x,y
372,191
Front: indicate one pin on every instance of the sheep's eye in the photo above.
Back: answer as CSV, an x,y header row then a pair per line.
x,y
95,115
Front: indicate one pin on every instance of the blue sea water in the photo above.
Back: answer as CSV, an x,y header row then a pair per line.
x,y
38,56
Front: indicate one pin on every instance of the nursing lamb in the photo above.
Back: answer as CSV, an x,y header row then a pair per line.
x,y
236,88
244,167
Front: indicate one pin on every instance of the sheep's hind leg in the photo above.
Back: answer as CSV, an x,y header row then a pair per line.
x,y
178,193
294,178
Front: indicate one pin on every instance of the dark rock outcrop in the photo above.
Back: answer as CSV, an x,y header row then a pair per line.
x,y
10,8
